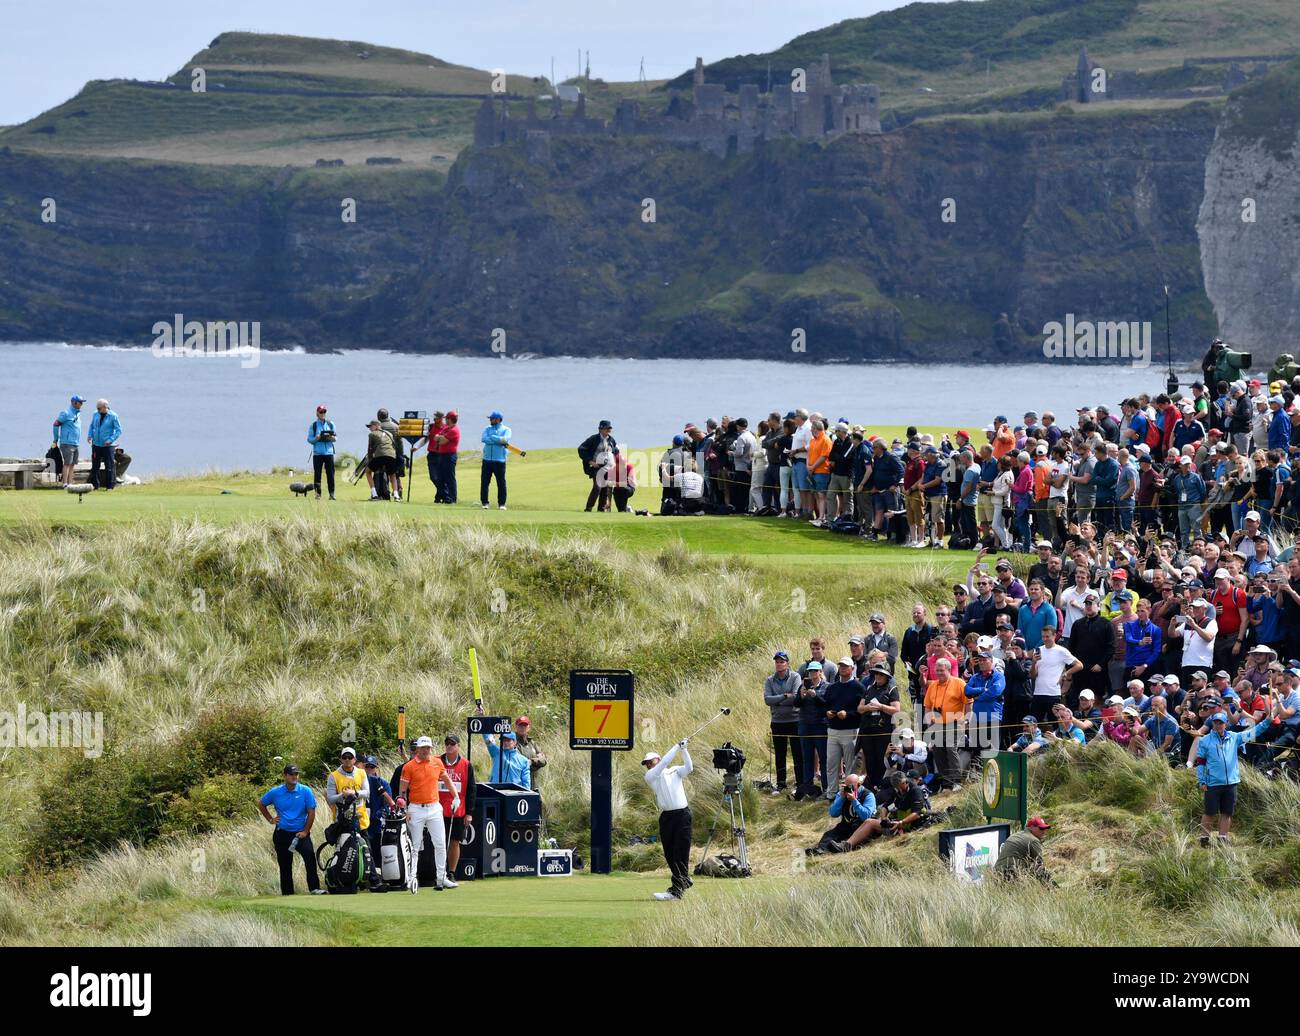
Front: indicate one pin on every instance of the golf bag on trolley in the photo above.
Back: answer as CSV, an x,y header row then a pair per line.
x,y
345,867
397,858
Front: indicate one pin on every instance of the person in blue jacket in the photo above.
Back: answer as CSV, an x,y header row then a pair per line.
x,y
495,437
105,430
1217,771
67,436
322,436
509,765
986,688
854,806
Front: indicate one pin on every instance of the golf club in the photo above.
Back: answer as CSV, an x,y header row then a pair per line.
x,y
724,711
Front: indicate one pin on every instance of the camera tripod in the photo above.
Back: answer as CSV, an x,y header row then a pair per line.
x,y
731,797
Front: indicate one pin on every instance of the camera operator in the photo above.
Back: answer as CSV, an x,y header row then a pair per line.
x,y
322,436
674,814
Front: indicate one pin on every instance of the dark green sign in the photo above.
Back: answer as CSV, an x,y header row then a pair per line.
x,y
1004,787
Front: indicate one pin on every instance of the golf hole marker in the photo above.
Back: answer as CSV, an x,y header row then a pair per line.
x,y
600,722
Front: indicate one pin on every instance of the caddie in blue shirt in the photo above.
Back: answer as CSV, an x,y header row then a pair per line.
x,y
295,812
495,438
67,436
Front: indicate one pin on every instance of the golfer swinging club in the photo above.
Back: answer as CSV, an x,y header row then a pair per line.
x,y
674,816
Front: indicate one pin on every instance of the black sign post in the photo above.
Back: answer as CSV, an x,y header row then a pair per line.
x,y
600,722
488,725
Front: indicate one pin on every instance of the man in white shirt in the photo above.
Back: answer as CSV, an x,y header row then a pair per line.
x,y
1053,664
1199,630
674,816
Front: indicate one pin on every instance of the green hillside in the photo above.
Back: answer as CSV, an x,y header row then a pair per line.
x,y
217,633
1014,53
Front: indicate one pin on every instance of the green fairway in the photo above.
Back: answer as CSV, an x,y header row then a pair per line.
x,y
584,910
547,493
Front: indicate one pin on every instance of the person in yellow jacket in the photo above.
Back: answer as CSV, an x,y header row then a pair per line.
x,y
347,784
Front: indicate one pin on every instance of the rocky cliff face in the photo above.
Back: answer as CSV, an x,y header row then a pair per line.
x,y
901,246
1249,222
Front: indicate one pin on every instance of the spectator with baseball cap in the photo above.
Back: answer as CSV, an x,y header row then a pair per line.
x,y
67,436
529,749
458,801
1217,772
495,439
781,695
295,813
1021,855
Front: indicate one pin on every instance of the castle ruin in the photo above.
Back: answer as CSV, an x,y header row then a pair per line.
x,y
711,118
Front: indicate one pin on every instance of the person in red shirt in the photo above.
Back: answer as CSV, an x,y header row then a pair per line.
x,y
913,473
444,444
457,808
1229,604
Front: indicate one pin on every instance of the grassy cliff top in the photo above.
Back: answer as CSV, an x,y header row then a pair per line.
x,y
931,55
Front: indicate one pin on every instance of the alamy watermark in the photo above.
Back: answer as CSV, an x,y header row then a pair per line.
x,y
38,729
184,337
1092,340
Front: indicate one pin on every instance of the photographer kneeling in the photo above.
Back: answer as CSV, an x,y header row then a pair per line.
x,y
855,807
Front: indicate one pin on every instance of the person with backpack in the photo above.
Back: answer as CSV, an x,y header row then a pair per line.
x,y
295,813
322,435
381,458
398,467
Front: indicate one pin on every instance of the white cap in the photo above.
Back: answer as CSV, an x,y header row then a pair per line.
x,y
348,751
906,734
1114,699
1222,573
649,756
424,742
1085,693
1252,516
846,660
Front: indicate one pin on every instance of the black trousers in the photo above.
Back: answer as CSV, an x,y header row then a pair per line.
x,y
325,461
380,467
873,745
675,834
598,493
102,455
281,840
497,469
786,734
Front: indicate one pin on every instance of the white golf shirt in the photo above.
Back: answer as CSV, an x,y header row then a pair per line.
x,y
666,781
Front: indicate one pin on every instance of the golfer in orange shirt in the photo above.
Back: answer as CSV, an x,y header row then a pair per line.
x,y
421,777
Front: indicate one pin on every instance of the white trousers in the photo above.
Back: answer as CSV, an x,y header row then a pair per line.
x,y
417,819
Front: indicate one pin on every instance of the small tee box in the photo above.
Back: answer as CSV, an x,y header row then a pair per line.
x,y
555,863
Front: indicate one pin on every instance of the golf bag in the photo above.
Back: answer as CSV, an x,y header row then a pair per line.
x,y
722,866
396,854
897,529
346,865
845,525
